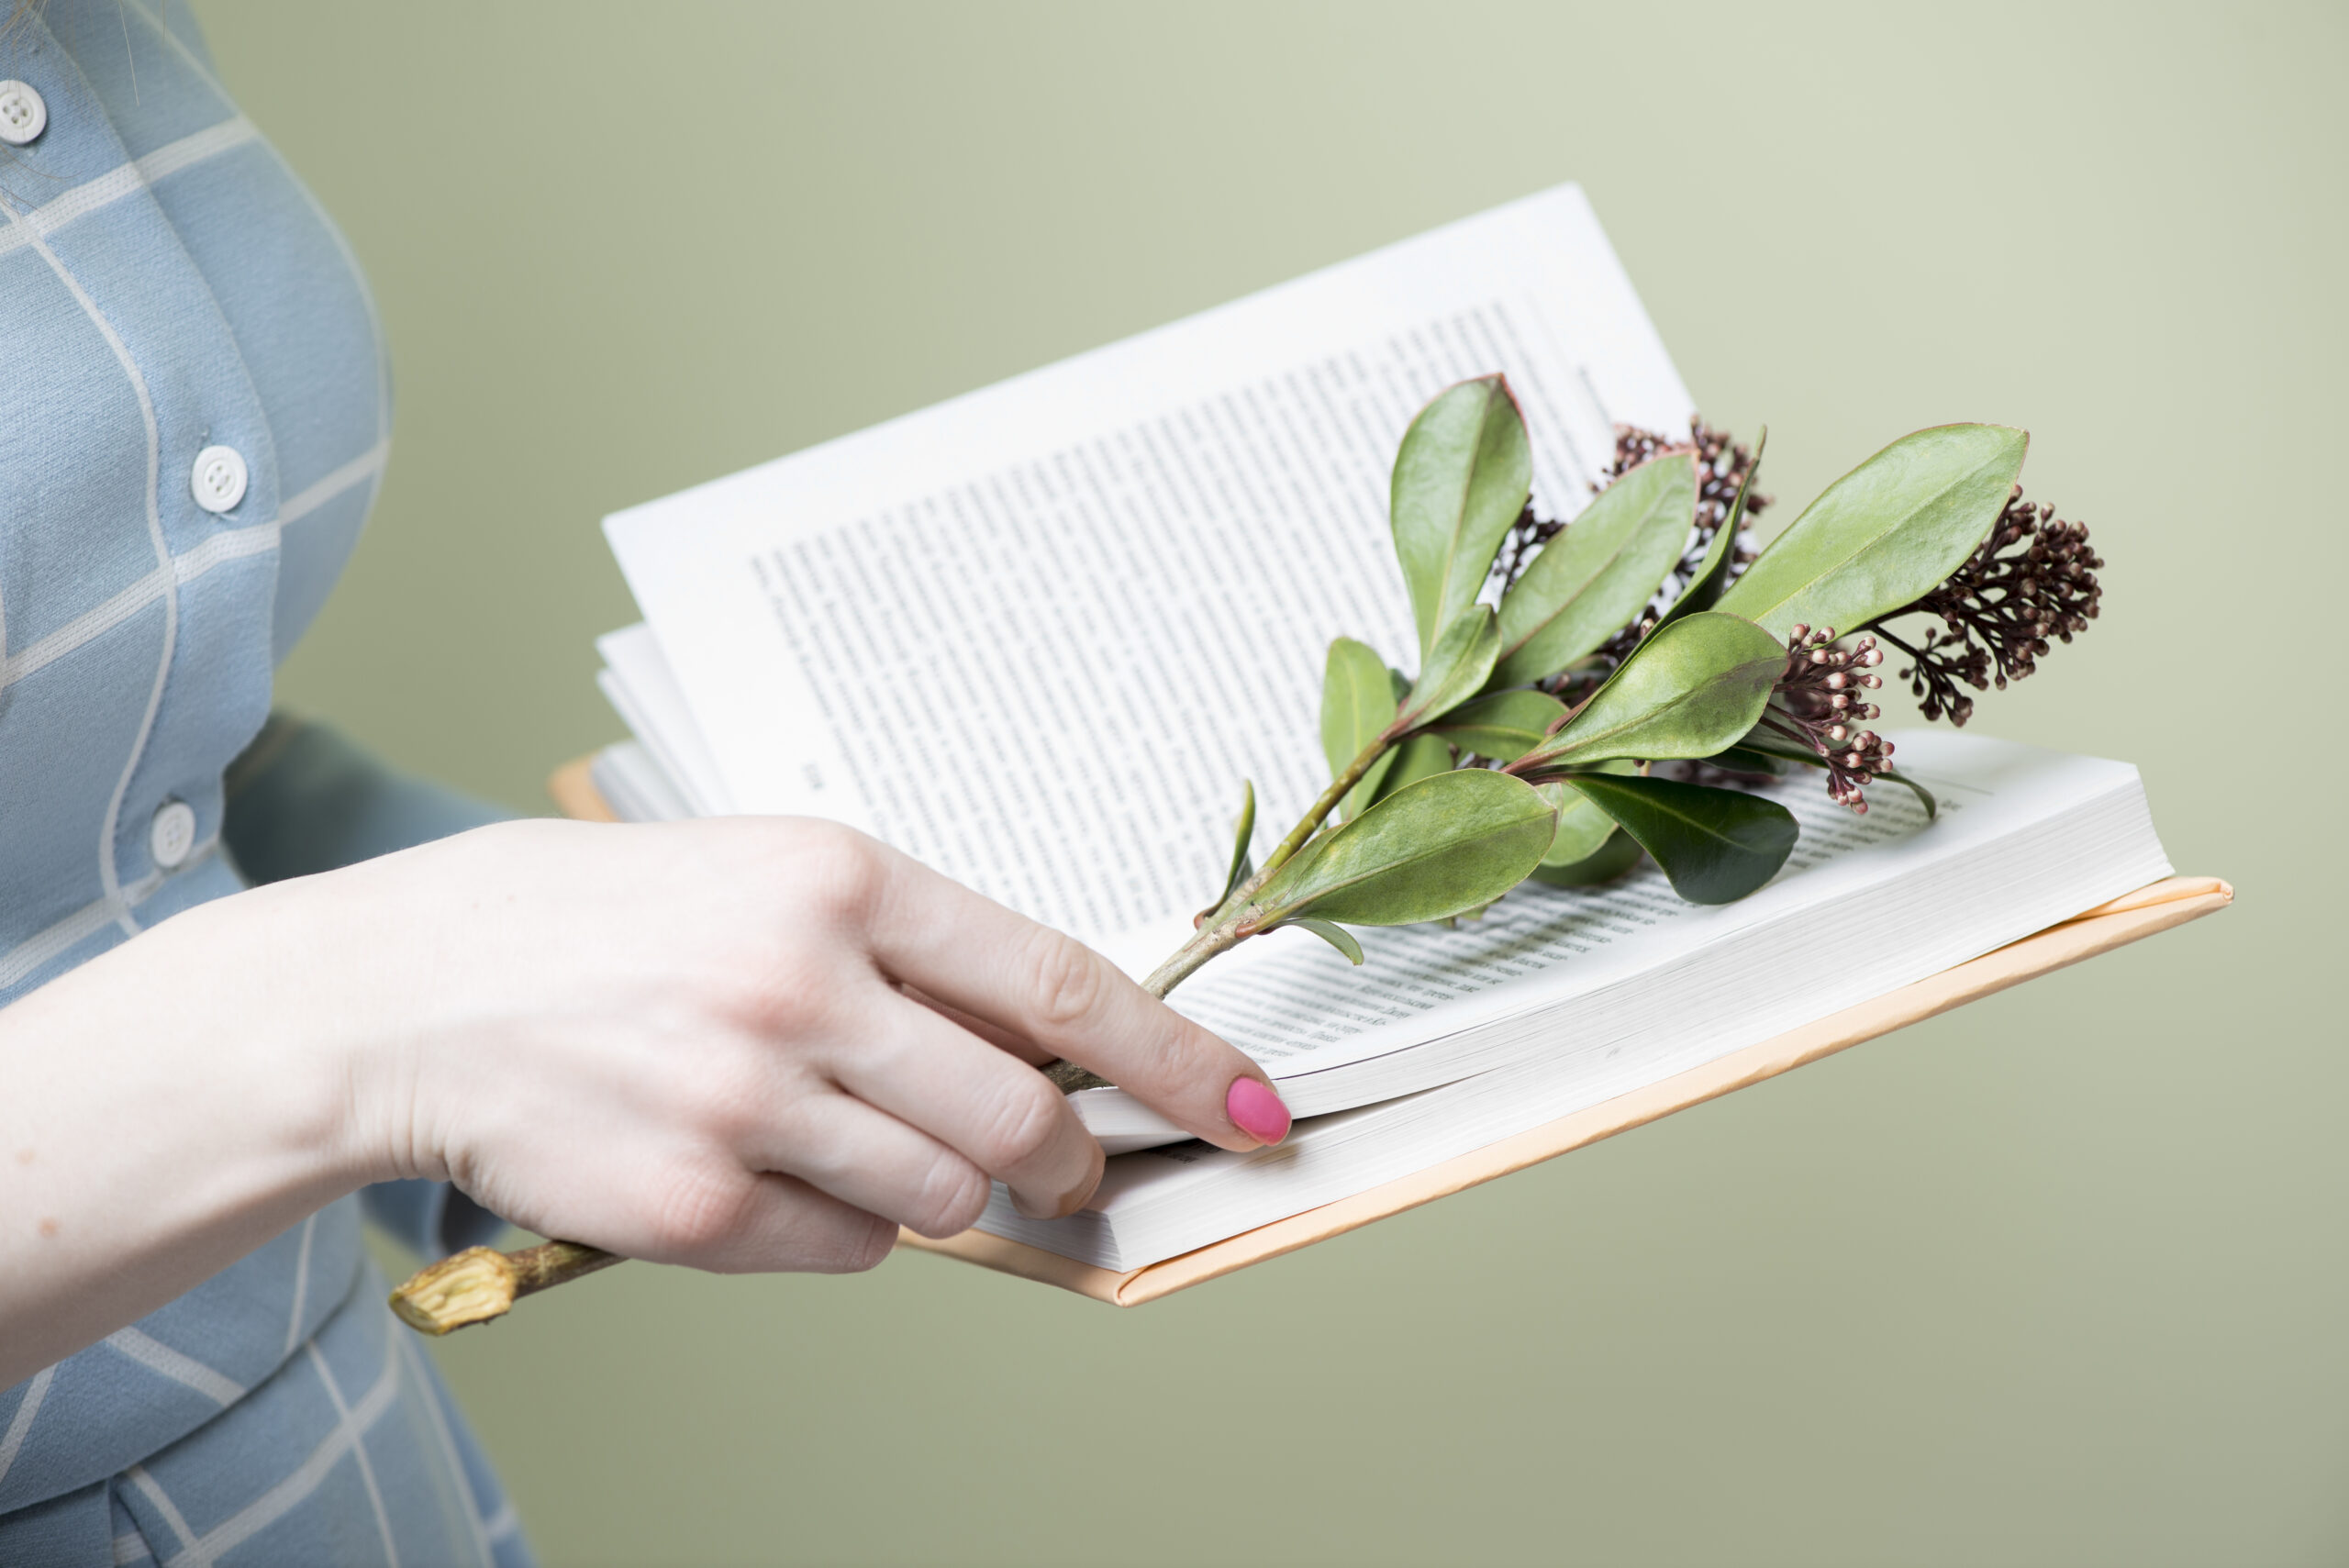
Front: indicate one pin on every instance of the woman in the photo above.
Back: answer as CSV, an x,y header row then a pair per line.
x,y
238,1003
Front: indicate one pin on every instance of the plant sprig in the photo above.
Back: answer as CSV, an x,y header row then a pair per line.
x,y
1561,664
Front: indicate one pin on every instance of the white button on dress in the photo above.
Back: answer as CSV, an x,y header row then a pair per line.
x,y
23,114
219,478
172,834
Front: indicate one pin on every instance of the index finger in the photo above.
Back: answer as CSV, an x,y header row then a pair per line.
x,y
980,958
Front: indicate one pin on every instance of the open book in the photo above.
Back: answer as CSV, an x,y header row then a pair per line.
x,y
1038,635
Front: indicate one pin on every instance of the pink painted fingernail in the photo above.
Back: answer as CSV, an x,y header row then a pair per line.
x,y
1256,1111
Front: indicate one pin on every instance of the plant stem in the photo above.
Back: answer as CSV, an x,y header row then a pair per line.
x,y
1314,816
1222,929
480,1284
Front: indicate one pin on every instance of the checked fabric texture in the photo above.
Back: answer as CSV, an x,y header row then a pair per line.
x,y
194,413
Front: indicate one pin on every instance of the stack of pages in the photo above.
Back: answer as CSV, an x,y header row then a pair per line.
x,y
1037,637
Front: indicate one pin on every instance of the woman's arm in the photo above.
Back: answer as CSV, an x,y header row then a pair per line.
x,y
743,1044
302,799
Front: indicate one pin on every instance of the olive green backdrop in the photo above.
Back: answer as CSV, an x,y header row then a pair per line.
x,y
2059,1279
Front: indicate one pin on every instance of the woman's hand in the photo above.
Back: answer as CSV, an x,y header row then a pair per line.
x,y
753,1043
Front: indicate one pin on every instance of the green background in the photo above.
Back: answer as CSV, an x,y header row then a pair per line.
x,y
2059,1279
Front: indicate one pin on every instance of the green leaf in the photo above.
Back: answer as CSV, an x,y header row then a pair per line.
x,y
1886,533
1504,726
1424,755
1765,747
1455,668
1443,845
1705,588
1745,760
1337,936
1244,833
1618,854
1924,797
1689,690
1461,478
1594,576
1716,845
1582,826
1357,705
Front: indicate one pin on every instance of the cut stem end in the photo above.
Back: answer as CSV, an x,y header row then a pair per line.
x,y
480,1283
473,1286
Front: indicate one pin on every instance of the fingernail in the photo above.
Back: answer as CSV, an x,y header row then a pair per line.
x,y
1256,1111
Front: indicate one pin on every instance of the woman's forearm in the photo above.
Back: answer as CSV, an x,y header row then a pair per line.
x,y
164,1109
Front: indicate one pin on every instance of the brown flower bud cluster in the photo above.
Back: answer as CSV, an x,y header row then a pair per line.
x,y
1821,703
2033,579
1524,541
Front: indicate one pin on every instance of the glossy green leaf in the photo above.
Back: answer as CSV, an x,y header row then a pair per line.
x,y
1593,577
1689,690
1716,845
1924,797
1618,854
1337,936
1744,759
1582,826
1438,847
1504,726
1885,533
1461,478
1424,755
1456,666
1357,705
1767,747
1712,578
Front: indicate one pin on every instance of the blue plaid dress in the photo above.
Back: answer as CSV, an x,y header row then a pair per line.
x,y
194,419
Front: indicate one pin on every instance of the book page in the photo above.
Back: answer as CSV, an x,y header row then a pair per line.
x,y
637,682
1038,636
1112,637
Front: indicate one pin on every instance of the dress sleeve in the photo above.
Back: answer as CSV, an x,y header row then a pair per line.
x,y
302,799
